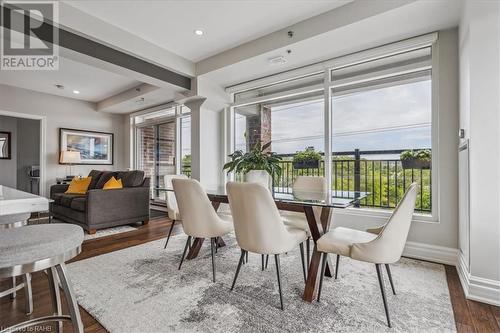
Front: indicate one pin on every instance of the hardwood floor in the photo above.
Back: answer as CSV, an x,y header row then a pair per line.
x,y
470,316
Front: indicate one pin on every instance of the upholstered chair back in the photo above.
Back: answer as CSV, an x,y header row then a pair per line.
x,y
257,222
199,218
388,247
310,188
173,209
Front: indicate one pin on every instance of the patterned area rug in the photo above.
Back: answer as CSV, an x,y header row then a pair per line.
x,y
139,289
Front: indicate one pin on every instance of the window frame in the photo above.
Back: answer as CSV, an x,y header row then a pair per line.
x,y
176,117
429,40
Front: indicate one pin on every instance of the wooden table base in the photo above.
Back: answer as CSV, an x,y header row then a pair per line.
x,y
316,233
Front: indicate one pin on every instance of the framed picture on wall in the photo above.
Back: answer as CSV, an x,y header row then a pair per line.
x,y
5,152
96,148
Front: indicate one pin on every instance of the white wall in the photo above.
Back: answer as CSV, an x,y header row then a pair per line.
x,y
8,168
206,133
480,117
68,113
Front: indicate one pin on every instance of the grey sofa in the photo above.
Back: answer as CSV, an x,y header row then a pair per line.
x,y
98,208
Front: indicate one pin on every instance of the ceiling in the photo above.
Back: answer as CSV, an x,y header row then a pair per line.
x,y
226,24
391,26
94,84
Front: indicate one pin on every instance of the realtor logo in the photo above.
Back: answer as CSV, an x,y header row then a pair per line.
x,y
30,37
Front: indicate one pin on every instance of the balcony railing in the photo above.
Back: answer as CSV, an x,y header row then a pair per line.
x,y
384,178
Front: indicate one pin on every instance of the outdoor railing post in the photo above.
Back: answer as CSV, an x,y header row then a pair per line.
x,y
357,175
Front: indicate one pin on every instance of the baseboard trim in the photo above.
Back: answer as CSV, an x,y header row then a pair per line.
x,y
434,253
476,288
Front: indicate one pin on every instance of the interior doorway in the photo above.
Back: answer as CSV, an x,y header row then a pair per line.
x,y
20,161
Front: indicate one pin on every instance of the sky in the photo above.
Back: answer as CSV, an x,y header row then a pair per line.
x,y
396,117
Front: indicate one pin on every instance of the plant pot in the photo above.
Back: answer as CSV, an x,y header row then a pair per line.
x,y
258,176
314,164
415,164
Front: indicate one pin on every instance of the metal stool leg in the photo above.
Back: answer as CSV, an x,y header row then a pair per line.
x,y
55,296
74,311
28,295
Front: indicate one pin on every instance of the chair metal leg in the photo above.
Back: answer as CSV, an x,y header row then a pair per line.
x,y
28,295
303,263
184,252
322,275
267,260
308,251
337,266
382,290
390,278
277,261
13,285
262,259
169,233
55,296
74,311
246,256
212,250
242,257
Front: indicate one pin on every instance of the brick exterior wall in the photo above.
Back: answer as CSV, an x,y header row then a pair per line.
x,y
259,130
166,147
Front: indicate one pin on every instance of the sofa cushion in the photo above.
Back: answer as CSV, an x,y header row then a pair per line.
x,y
95,174
132,178
57,197
105,176
67,198
79,204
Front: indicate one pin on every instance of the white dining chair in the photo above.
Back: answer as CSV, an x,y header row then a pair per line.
x,y
307,188
172,208
199,218
259,227
386,247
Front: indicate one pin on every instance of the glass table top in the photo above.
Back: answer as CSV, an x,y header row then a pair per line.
x,y
336,199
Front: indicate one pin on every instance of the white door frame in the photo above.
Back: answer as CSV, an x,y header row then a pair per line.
x,y
43,136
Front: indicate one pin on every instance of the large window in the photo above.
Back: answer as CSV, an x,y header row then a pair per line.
x,y
381,117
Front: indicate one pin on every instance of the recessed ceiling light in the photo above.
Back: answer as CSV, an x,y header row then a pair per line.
x,y
59,86
198,32
76,92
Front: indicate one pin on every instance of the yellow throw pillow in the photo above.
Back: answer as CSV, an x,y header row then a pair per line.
x,y
113,184
79,185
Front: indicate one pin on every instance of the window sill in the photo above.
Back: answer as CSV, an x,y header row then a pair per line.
x,y
382,214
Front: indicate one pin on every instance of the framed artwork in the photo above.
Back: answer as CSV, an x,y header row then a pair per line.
x,y
96,148
5,151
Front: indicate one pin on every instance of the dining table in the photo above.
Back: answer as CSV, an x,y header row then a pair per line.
x,y
287,199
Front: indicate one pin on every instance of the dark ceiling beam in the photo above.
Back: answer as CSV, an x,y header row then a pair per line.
x,y
84,45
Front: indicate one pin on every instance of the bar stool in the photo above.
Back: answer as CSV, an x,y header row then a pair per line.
x,y
43,247
14,221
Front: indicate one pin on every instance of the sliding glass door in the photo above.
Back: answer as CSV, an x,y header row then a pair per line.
x,y
163,145
157,153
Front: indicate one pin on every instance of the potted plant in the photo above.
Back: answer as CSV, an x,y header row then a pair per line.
x,y
419,159
256,165
307,159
